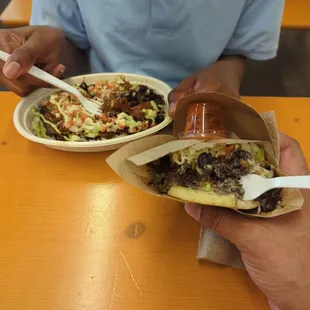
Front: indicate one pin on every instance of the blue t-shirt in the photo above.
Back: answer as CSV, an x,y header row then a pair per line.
x,y
167,39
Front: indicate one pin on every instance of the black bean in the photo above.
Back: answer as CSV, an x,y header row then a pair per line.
x,y
235,162
165,163
160,118
59,137
140,97
269,200
236,173
153,96
190,178
158,98
132,103
221,171
50,131
143,88
162,182
129,96
242,155
204,160
84,86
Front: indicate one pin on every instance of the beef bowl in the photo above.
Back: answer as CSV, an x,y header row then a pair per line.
x,y
133,107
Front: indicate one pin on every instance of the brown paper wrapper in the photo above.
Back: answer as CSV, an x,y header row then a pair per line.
x,y
240,119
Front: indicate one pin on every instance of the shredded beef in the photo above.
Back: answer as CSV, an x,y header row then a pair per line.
x,y
48,115
204,160
51,132
269,200
224,172
120,105
136,111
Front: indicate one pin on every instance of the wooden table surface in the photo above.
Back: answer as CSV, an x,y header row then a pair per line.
x,y
74,236
296,14
17,13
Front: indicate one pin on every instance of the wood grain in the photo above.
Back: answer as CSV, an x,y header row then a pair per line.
x,y
75,236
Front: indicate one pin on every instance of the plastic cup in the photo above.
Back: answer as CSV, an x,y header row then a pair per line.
x,y
204,121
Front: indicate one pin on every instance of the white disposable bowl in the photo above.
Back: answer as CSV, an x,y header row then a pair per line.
x,y
23,115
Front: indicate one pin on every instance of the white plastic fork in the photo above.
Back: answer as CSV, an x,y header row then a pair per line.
x,y
90,105
255,185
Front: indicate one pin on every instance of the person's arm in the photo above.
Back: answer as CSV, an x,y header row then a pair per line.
x,y
224,76
236,64
56,42
66,16
255,37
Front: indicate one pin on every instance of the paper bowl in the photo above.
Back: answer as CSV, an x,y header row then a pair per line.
x,y
23,116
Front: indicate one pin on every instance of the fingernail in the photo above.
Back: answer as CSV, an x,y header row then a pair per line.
x,y
193,210
12,69
197,86
61,69
172,107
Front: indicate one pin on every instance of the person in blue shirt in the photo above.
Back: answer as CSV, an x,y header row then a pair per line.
x,y
194,45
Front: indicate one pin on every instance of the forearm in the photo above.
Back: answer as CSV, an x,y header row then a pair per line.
x,y
224,76
235,68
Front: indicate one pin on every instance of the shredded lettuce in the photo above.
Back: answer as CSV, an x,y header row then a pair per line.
x,y
218,150
38,127
127,120
207,187
154,105
258,153
73,138
259,170
246,147
58,104
150,114
188,155
37,113
91,129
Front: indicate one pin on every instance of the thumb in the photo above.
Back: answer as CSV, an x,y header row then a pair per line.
x,y
230,225
183,89
22,58
272,307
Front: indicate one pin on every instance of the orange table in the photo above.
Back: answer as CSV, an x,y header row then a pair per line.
x,y
75,236
296,14
17,13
